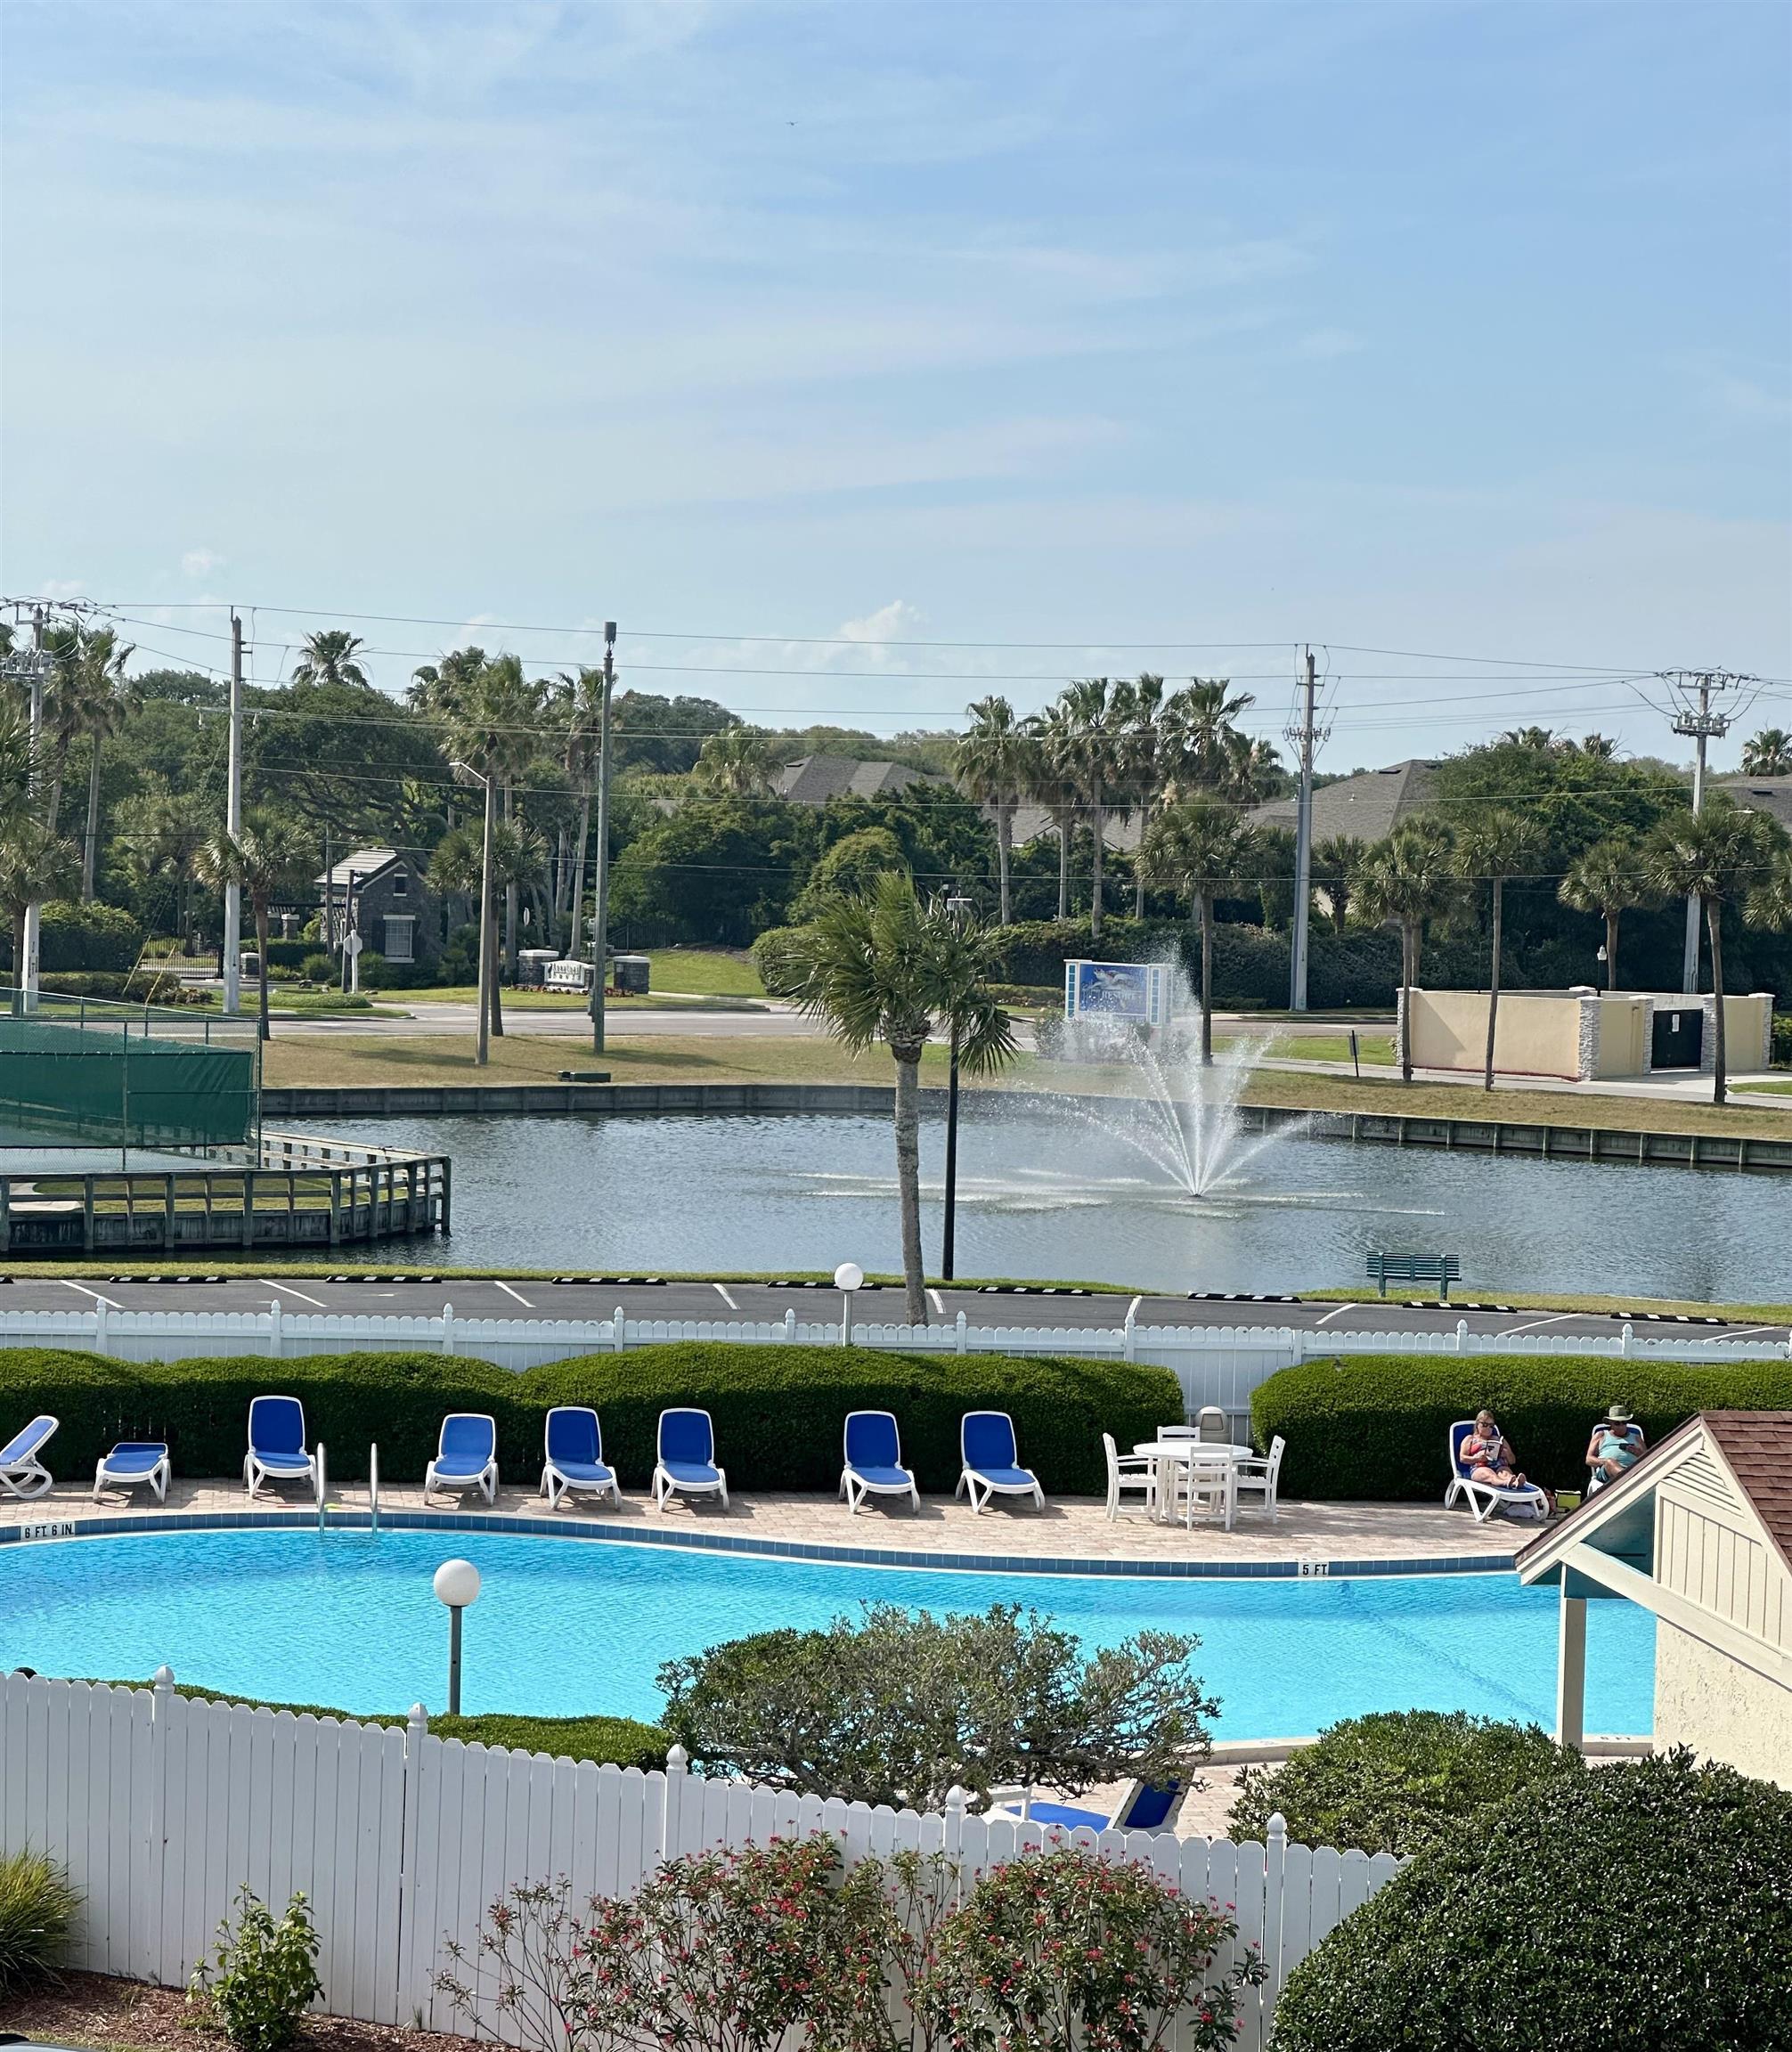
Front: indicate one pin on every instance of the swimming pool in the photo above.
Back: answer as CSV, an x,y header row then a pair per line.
x,y
562,1626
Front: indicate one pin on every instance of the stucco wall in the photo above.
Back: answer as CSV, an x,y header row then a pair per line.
x,y
1535,1036
1621,1046
1723,1710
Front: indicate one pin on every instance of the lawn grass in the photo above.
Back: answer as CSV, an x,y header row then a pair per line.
x,y
1570,1300
1371,1047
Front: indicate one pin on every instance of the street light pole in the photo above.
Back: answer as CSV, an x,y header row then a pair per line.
x,y
467,774
600,906
456,1584
957,909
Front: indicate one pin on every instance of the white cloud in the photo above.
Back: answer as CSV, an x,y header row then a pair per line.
x,y
63,587
895,621
200,563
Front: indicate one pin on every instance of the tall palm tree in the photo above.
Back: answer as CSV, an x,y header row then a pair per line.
x,y
270,859
330,657
1054,785
1768,754
1541,738
1139,770
1202,849
100,697
61,709
1093,756
1408,878
1768,906
1717,856
1336,860
994,762
1493,846
1199,724
517,855
1608,878
579,706
739,763
1251,769
887,967
35,864
163,831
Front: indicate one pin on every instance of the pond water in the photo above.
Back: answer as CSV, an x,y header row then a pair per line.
x,y
1050,1194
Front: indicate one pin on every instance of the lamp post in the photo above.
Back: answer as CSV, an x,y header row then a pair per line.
x,y
467,774
958,910
456,1584
847,1278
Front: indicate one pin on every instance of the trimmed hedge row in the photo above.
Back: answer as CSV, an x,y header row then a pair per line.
x,y
778,1410
1374,1428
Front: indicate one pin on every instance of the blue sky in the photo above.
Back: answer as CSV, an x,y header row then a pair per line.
x,y
1463,329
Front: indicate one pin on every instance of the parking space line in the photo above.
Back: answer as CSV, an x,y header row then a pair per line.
x,y
518,1294
1339,1313
111,1303
933,1298
267,1282
724,1296
1532,1325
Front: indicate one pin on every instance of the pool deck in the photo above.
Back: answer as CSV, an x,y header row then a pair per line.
x,y
1069,1533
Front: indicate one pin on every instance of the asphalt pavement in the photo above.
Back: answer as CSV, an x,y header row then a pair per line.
x,y
421,1294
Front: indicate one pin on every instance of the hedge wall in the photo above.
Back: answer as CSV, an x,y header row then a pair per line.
x,y
1375,1426
778,1410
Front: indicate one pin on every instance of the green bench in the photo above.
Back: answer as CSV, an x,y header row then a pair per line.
x,y
1438,1270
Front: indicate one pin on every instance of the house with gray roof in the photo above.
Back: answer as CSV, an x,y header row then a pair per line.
x,y
1770,794
816,779
1367,806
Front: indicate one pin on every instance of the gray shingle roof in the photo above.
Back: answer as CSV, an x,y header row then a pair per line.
x,y
1368,806
814,779
366,862
1770,794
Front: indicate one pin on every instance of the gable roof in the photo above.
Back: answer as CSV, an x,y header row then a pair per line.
x,y
1120,830
1368,806
814,779
366,863
1754,1449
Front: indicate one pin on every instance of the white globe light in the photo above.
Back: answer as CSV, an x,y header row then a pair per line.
x,y
457,1583
849,1275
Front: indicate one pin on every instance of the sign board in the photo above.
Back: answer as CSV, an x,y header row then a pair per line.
x,y
1134,991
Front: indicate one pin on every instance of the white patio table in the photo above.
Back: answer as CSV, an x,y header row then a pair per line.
x,y
1170,1454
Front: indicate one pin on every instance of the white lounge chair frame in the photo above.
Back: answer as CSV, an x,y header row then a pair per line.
x,y
666,1486
25,1476
1128,1471
971,1479
485,1481
555,1485
1261,1476
255,1472
1484,1498
855,1488
156,1477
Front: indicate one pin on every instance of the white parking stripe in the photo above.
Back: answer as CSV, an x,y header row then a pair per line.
x,y
518,1294
1743,1332
1531,1325
286,1289
724,1296
1339,1312
111,1303
934,1299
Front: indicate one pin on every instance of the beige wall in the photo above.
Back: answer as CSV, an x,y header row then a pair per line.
x,y
1746,1022
1712,1550
1622,1047
1534,1035
1719,1708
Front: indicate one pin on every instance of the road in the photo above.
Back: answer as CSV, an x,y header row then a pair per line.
x,y
475,1297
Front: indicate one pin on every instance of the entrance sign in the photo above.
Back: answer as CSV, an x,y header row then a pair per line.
x,y
1135,990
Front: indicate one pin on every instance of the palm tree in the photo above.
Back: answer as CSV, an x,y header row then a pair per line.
x,y
328,657
1408,878
887,967
1769,753
1199,723
1335,863
1053,786
1092,755
1202,849
1601,747
1493,846
35,864
61,709
739,763
163,831
270,859
517,855
1139,750
1607,879
100,699
994,763
1716,856
1768,906
1538,737
1251,769
579,705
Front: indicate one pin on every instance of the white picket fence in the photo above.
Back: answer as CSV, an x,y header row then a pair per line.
x,y
1216,1365
161,1807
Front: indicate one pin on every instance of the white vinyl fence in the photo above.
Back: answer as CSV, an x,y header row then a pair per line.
x,y
1217,1365
161,1807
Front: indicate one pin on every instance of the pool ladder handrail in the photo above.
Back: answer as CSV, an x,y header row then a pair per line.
x,y
373,1486
322,1485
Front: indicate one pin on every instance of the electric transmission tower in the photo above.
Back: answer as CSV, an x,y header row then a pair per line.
x,y
1693,714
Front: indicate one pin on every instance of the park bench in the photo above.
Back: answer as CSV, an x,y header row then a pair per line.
x,y
1440,1270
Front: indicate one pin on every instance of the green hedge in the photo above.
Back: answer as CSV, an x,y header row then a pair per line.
x,y
1375,1426
778,1410
625,1741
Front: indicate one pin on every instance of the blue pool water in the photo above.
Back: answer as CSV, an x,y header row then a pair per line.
x,y
561,1627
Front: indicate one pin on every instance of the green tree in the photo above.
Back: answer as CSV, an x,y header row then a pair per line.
x,y
743,763
1141,769
330,656
107,699
1768,754
1493,846
578,706
887,967
1201,733
718,871
1088,739
270,859
1055,784
1409,878
851,868
1336,860
35,864
1768,906
1716,856
900,1707
994,764
1199,849
1607,879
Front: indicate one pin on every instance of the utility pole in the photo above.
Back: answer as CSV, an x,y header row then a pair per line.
x,y
1700,723
1303,842
600,909
232,947
25,973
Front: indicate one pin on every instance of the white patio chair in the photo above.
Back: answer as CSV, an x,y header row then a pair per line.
x,y
1261,1476
1128,1471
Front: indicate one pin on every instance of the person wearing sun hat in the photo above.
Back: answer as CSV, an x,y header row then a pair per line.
x,y
1614,1448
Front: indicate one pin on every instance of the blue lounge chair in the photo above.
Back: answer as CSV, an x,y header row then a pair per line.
x,y
276,1444
574,1449
1143,1808
1484,1498
133,1462
873,1461
991,1462
687,1459
22,1472
466,1455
